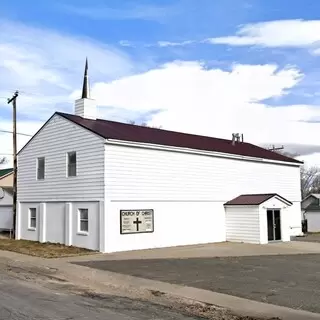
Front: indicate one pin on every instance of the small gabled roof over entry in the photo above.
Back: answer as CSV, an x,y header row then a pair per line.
x,y
255,199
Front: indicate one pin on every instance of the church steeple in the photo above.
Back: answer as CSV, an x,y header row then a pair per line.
x,y
85,87
85,107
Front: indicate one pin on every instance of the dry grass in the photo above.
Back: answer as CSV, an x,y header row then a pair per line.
x,y
43,250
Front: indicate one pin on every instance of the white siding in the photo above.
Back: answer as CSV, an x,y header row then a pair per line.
x,y
141,174
56,138
7,200
313,218
26,233
6,214
55,222
54,228
90,240
175,223
6,218
243,224
290,219
187,193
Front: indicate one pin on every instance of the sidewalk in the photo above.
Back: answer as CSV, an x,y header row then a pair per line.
x,y
100,281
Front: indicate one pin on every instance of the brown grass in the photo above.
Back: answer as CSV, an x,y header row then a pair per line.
x,y
43,250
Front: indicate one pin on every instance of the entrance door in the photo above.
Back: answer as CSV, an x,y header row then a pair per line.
x,y
274,224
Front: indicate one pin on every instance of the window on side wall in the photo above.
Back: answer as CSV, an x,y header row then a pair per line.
x,y
40,168
83,220
32,218
71,164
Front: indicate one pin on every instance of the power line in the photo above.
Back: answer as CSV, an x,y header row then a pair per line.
x,y
22,134
273,148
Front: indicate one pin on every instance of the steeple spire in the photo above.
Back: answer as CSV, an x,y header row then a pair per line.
x,y
85,87
85,107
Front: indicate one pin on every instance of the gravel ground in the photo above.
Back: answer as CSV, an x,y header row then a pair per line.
x,y
308,238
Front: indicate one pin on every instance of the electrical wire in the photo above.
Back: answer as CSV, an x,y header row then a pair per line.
x,y
22,134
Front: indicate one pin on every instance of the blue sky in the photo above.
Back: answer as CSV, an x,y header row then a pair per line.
x,y
161,61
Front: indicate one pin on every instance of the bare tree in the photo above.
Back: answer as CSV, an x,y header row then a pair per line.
x,y
143,124
3,160
309,176
310,180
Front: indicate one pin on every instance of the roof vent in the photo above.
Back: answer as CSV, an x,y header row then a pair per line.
x,y
237,138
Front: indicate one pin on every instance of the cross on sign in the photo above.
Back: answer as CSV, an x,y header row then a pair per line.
x,y
137,222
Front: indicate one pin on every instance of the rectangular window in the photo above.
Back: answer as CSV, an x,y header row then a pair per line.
x,y
83,220
40,168
32,218
72,164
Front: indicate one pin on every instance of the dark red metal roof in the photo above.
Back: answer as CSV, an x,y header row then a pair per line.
x,y
253,199
134,133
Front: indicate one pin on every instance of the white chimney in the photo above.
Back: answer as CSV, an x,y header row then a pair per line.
x,y
85,107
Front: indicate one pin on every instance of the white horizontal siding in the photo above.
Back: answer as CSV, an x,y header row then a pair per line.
x,y
7,200
177,223
313,218
143,174
58,137
6,217
290,218
243,224
55,222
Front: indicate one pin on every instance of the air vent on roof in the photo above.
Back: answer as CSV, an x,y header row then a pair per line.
x,y
236,138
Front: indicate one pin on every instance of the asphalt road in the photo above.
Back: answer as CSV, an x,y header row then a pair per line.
x,y
287,280
22,300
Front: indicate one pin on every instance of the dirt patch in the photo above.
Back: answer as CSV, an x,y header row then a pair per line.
x,y
183,306
43,250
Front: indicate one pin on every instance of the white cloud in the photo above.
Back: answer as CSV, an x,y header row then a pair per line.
x,y
311,159
126,43
125,12
216,102
27,127
174,44
46,67
279,33
193,98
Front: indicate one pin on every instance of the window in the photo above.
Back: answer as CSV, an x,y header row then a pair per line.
x,y
40,168
83,220
72,164
32,218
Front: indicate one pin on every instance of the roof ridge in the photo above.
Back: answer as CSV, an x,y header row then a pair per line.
x,y
110,129
152,128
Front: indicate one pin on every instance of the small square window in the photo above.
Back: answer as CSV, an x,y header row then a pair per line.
x,y
32,218
83,220
40,168
72,164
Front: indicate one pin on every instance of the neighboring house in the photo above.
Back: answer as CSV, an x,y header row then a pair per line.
x,y
6,198
6,201
111,186
310,209
6,177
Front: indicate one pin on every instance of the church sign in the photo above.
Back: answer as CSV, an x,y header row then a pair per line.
x,y
136,221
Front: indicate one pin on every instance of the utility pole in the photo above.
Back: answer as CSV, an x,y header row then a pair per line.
x,y
276,148
14,132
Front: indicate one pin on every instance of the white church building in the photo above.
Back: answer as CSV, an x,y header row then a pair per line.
x,y
111,186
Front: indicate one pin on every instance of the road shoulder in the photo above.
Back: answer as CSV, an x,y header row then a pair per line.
x,y
101,282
